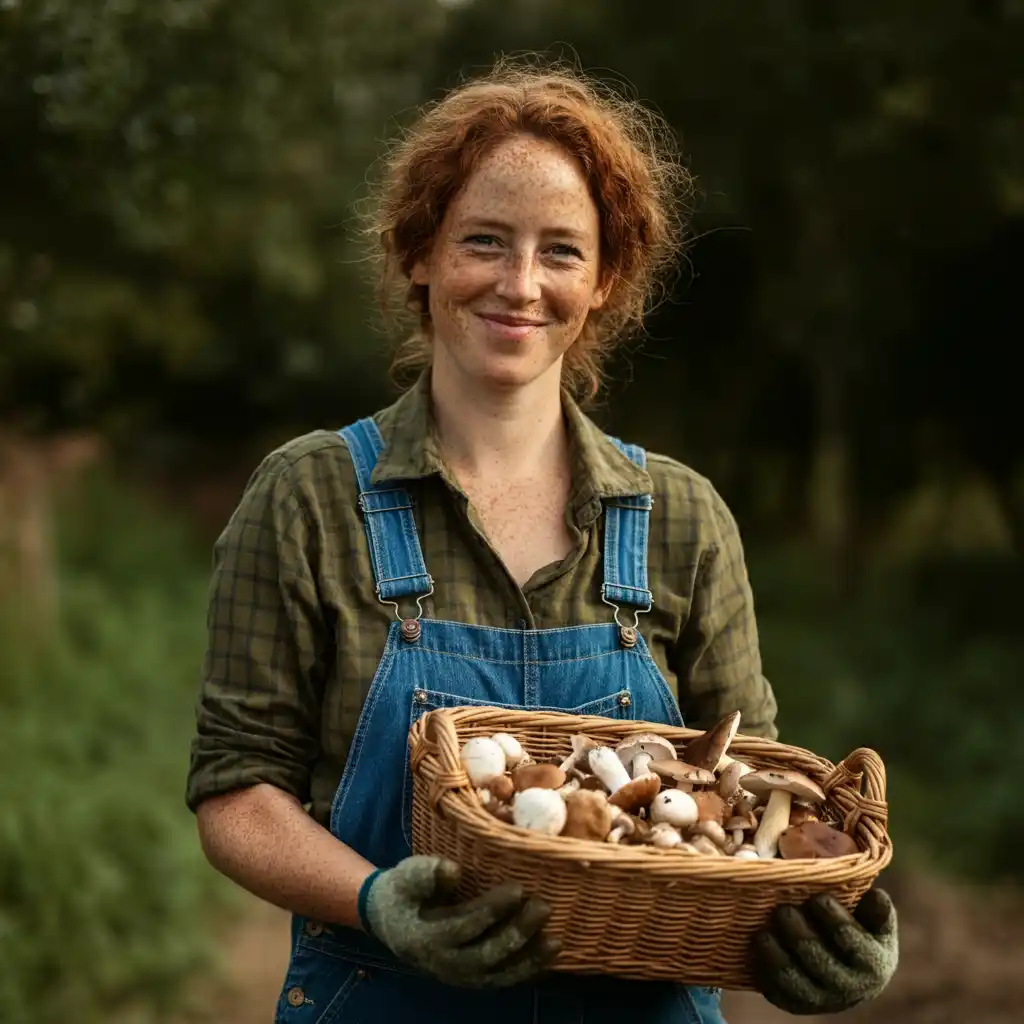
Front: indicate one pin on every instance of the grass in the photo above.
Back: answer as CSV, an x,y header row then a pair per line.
x,y
104,894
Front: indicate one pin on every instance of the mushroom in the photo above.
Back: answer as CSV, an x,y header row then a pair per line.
x,y
712,830
704,845
501,787
628,826
710,806
483,760
782,785
684,775
664,836
588,815
512,748
706,750
815,840
729,779
746,852
542,810
675,807
571,786
581,747
738,825
538,776
626,793
638,750
500,809
800,813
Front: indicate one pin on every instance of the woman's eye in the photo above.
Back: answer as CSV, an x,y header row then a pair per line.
x,y
485,240
567,250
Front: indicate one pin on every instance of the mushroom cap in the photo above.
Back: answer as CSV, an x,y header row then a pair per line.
x,y
542,810
712,830
746,822
644,742
801,786
747,852
680,771
729,778
710,806
588,815
501,787
674,806
482,759
637,793
706,750
815,840
538,776
512,747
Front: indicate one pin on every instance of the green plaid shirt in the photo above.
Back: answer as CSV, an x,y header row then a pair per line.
x,y
296,630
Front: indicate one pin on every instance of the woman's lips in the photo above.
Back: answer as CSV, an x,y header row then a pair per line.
x,y
509,327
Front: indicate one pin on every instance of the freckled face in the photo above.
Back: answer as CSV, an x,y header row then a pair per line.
x,y
515,268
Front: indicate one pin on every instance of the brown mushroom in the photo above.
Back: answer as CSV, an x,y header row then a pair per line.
x,y
639,749
729,779
815,840
782,785
577,760
685,776
538,776
588,815
706,750
501,788
800,813
710,806
626,793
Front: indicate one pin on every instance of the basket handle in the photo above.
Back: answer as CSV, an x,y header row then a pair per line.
x,y
438,737
866,803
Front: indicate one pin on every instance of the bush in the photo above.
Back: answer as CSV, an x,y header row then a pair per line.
x,y
104,892
925,667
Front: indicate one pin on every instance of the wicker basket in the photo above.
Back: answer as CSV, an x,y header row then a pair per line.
x,y
638,911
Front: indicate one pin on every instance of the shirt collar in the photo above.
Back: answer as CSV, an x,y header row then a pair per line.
x,y
599,470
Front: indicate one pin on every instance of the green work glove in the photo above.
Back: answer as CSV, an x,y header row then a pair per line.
x,y
819,958
491,941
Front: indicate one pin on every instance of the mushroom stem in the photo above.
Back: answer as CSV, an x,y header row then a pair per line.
x,y
641,763
774,822
605,764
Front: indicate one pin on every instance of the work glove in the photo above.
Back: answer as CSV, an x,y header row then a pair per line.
x,y
491,941
820,958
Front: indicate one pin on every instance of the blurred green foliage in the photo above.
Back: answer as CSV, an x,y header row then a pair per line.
x,y
104,893
924,667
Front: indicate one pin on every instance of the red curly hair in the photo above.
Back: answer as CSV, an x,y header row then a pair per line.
x,y
627,155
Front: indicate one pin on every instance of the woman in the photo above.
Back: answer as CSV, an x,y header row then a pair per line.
x,y
482,541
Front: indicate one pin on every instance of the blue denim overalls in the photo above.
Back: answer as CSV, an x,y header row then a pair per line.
x,y
341,976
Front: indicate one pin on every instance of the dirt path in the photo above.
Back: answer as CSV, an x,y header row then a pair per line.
x,y
962,962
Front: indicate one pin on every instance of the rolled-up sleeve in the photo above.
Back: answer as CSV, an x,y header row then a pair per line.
x,y
259,705
718,656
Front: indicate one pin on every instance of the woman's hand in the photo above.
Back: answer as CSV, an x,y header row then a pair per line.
x,y
819,958
491,941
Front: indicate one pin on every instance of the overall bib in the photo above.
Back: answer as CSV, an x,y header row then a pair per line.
x,y
339,975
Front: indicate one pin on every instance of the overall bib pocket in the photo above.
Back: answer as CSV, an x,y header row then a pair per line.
x,y
613,705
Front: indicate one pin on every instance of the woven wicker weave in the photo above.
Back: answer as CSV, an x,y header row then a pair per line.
x,y
638,911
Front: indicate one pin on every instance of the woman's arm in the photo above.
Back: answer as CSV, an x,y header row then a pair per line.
x,y
262,839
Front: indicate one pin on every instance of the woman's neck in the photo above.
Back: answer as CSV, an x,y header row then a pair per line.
x,y
491,432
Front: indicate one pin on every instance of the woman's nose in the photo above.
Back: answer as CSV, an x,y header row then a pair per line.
x,y
519,280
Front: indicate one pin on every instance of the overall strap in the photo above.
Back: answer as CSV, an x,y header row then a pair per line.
x,y
395,552
626,528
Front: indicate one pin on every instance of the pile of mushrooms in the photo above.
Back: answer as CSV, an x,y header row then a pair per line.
x,y
641,792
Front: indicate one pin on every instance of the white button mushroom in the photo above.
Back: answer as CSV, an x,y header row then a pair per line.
x,y
674,806
511,746
482,759
542,810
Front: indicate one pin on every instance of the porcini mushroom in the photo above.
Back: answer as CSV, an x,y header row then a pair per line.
x,y
781,785
629,794
684,775
664,836
712,830
512,748
638,750
815,840
729,779
482,759
538,776
588,815
706,750
581,747
710,806
542,810
675,807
